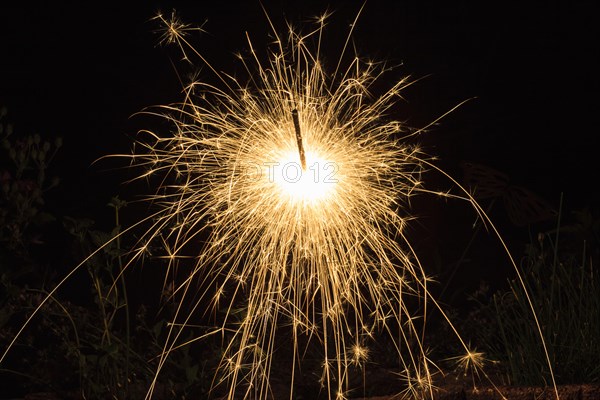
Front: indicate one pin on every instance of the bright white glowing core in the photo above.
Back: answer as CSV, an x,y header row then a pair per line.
x,y
313,184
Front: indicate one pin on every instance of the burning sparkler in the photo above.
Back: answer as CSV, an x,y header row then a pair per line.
x,y
316,245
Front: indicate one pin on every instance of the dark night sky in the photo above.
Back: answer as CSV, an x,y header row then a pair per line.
x,y
81,72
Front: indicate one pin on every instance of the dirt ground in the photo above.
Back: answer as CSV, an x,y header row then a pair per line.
x,y
565,392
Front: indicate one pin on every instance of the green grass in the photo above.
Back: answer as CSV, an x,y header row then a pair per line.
x,y
564,287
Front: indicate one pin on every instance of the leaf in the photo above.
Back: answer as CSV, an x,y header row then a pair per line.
x,y
522,205
191,373
484,182
525,207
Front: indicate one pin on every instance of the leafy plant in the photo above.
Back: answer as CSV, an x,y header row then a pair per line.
x,y
23,182
93,338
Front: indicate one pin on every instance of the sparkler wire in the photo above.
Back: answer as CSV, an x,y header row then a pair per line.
x,y
299,138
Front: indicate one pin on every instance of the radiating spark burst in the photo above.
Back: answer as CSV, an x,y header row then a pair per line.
x,y
173,30
319,246
472,364
359,355
289,193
